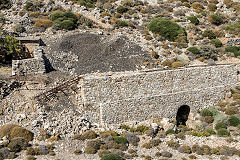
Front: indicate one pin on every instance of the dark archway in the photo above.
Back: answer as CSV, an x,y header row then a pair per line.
x,y
182,115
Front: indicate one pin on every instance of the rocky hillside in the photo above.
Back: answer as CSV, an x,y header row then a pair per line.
x,y
86,36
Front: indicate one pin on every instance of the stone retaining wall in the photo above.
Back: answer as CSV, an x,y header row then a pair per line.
x,y
137,96
30,66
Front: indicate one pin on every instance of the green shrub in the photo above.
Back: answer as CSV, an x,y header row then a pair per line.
x,y
120,140
10,45
233,49
170,131
166,28
33,6
209,119
123,24
233,27
92,146
129,3
64,20
234,121
177,64
208,52
232,110
220,125
212,7
122,9
87,3
211,131
209,34
220,118
214,111
125,127
141,129
111,156
86,135
223,132
206,112
173,144
194,20
216,19
194,50
199,133
216,42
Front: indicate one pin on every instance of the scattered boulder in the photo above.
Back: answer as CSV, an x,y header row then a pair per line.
x,y
132,138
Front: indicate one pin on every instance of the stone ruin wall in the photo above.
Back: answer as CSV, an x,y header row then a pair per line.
x,y
31,65
137,96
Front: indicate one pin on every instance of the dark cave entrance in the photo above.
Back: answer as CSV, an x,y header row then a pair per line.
x,y
182,115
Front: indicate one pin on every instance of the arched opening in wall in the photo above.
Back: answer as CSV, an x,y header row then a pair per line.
x,y
182,115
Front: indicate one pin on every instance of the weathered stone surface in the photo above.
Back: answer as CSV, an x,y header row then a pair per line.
x,y
29,66
137,96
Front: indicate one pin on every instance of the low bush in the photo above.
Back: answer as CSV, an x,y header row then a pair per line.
x,y
167,63
209,34
194,20
129,3
185,149
197,5
123,23
33,6
216,42
103,152
208,52
233,49
141,129
177,64
122,9
206,112
211,131
154,55
92,146
235,27
223,132
86,135
232,110
216,19
120,140
209,119
166,28
194,50
220,125
170,131
111,156
42,23
87,3
212,7
173,144
199,133
64,20
108,133
233,121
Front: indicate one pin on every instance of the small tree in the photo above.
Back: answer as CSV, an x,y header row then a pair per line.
x,y
166,28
